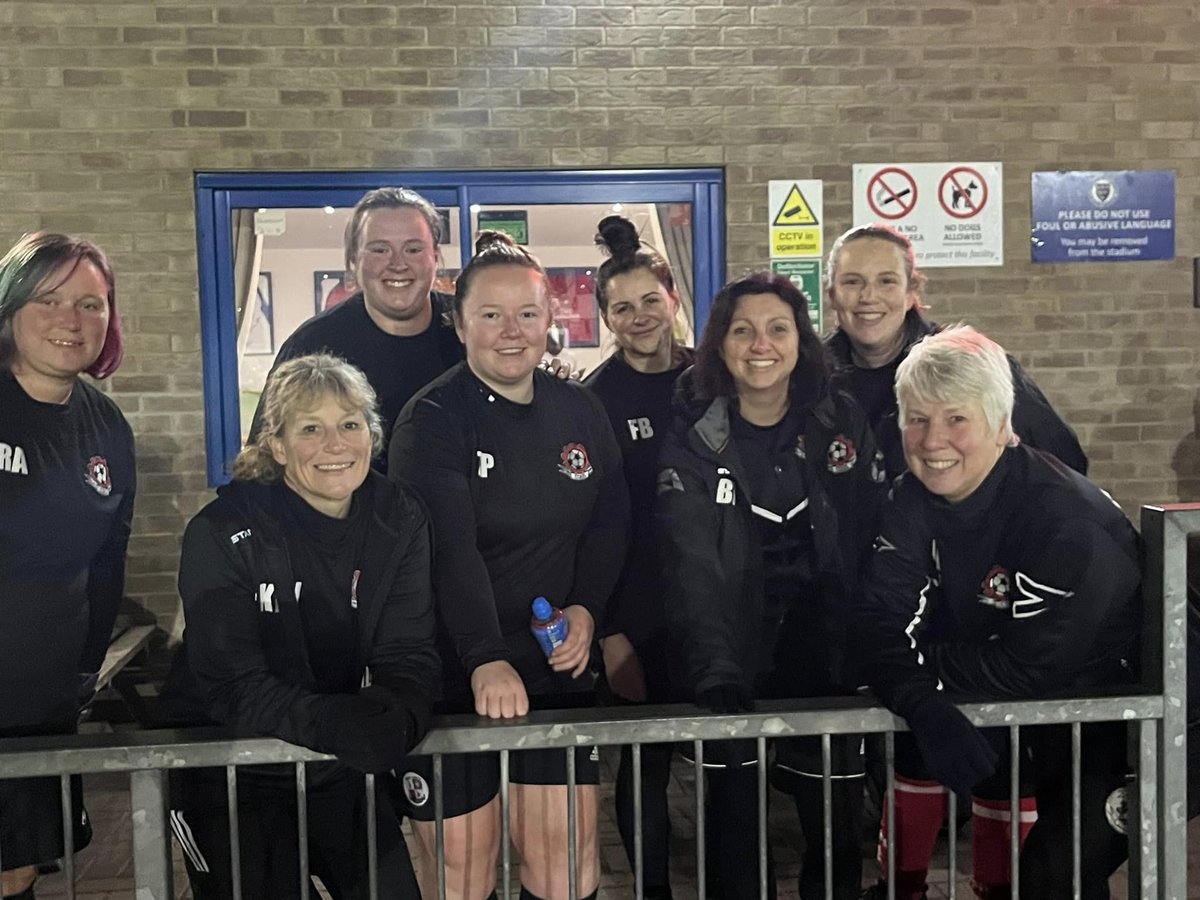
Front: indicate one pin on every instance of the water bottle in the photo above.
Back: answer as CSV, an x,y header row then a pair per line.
x,y
549,625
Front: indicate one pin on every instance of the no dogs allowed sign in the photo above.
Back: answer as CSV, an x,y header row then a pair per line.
x,y
952,212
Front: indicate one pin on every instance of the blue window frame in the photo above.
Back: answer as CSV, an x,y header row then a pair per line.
x,y
219,193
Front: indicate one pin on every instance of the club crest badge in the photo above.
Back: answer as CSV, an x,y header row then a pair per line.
x,y
997,585
574,462
841,455
97,476
416,788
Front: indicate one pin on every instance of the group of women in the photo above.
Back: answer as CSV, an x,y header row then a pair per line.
x,y
705,518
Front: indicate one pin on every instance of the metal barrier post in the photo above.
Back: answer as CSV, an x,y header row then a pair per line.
x,y
1164,531
152,869
1143,815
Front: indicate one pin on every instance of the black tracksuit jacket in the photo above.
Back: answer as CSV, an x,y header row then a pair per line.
x,y
1034,419
1027,588
245,661
723,629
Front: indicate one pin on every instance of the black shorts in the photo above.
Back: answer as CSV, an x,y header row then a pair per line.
x,y
31,828
470,781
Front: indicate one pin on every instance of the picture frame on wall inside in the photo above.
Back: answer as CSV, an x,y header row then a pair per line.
x,y
573,305
260,338
330,289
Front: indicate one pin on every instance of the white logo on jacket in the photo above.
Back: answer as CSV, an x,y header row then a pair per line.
x,y
1036,597
12,460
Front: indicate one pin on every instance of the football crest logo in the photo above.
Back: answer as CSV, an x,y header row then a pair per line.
x,y
416,788
574,462
97,476
841,455
996,587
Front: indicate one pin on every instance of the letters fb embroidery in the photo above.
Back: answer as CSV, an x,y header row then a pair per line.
x,y
574,462
97,477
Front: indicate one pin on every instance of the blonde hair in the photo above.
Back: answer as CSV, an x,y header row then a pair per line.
x,y
296,386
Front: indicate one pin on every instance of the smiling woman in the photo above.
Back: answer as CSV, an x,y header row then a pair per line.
x,y
336,559
522,477
767,489
66,500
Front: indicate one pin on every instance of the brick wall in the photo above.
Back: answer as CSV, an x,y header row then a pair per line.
x,y
107,109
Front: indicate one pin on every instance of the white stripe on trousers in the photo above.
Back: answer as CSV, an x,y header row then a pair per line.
x,y
183,833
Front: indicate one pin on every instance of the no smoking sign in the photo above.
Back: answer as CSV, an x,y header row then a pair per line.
x,y
952,212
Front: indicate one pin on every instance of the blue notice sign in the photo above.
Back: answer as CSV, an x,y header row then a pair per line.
x,y
1103,216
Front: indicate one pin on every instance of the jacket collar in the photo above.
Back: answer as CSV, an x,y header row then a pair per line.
x,y
915,327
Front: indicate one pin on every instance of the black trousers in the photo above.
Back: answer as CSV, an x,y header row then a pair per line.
x,y
797,772
656,822
731,834
268,834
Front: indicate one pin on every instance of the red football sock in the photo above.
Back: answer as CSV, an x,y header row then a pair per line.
x,y
920,811
991,829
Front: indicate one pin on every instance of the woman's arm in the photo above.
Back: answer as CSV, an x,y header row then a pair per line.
x,y
403,657
428,454
687,525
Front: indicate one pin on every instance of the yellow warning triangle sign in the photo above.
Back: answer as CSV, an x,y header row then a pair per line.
x,y
795,210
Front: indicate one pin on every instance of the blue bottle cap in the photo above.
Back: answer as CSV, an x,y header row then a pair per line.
x,y
542,609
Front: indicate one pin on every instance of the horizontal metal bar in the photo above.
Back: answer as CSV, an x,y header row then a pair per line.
x,y
173,749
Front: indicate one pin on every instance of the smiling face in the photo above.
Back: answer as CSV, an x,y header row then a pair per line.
x,y
503,323
325,453
951,447
762,346
871,294
395,266
641,315
61,330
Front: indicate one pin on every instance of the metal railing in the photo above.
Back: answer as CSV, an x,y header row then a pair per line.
x,y
1156,717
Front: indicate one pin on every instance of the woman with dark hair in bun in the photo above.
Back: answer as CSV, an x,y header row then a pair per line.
x,y
635,289
522,477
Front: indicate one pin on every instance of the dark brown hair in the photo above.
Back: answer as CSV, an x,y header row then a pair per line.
x,y
712,378
618,236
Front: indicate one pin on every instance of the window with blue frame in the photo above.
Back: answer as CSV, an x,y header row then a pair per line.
x,y
271,256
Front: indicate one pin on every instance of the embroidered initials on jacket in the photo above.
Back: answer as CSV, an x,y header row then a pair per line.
x,y
640,428
726,493
486,462
266,596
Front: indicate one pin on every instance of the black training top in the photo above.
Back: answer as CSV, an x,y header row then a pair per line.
x,y
526,500
396,366
639,409
66,501
1028,587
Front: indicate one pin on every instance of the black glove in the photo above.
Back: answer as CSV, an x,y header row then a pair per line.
x,y
955,751
725,698
368,731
